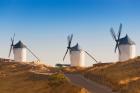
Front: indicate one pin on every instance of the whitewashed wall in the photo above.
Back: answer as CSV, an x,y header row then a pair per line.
x,y
77,58
20,54
127,52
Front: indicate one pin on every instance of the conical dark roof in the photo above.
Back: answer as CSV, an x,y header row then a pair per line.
x,y
126,40
75,48
19,45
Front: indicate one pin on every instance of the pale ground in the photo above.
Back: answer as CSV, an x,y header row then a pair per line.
x,y
91,86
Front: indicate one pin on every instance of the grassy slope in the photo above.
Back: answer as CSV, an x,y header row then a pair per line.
x,y
122,76
18,78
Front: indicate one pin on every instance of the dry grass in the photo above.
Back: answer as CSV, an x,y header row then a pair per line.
x,y
121,76
73,69
19,78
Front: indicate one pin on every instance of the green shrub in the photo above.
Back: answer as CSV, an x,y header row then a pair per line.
x,y
57,79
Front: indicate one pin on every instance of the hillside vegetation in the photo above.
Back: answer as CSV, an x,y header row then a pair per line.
x,y
33,78
121,76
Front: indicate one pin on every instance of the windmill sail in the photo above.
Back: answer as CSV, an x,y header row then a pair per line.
x,y
12,44
116,38
65,54
69,38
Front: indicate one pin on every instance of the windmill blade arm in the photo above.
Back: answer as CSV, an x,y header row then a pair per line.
x,y
91,56
71,37
113,34
116,47
10,51
12,44
68,38
119,32
65,54
119,49
32,53
13,36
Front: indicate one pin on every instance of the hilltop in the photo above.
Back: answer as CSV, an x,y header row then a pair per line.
x,y
16,77
123,77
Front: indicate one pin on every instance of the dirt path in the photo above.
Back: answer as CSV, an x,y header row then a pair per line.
x,y
91,86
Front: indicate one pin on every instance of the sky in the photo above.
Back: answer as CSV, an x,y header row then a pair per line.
x,y
43,25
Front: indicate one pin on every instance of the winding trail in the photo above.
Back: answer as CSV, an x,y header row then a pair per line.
x,y
91,86
81,81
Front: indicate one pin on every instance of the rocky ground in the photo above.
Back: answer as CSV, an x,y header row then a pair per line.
x,y
30,78
121,76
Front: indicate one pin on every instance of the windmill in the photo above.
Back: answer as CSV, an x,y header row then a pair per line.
x,y
77,55
19,51
125,46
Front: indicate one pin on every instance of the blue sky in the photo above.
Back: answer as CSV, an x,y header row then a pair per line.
x,y
43,25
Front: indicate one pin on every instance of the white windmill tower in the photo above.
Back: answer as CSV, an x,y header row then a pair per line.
x,y
125,46
77,55
20,51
